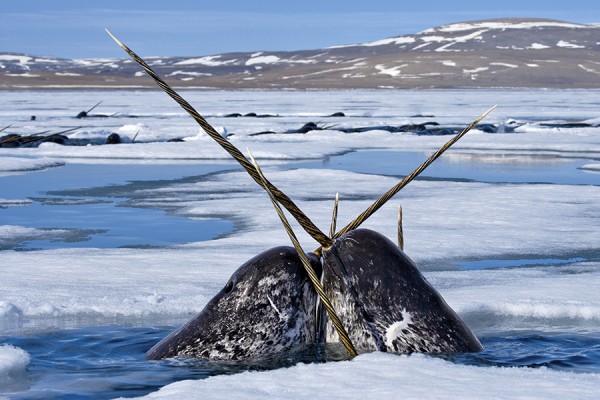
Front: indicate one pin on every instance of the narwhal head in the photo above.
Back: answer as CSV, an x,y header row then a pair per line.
x,y
266,308
385,301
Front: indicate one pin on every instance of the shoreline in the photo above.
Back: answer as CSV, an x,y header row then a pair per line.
x,y
151,87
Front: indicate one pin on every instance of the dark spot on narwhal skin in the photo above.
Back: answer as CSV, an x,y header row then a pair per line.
x,y
266,308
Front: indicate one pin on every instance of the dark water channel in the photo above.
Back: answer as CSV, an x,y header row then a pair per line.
x,y
477,167
80,199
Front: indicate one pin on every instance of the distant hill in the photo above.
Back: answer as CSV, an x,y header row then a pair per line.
x,y
490,53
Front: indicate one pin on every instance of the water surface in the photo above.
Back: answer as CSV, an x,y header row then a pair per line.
x,y
108,362
81,198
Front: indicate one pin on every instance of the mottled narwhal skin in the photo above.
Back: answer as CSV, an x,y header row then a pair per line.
x,y
266,308
385,303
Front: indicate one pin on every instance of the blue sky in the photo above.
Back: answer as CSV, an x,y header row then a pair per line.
x,y
75,28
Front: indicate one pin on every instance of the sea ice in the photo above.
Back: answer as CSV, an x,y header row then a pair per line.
x,y
446,222
13,367
380,375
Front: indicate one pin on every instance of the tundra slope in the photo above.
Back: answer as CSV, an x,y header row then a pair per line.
x,y
492,53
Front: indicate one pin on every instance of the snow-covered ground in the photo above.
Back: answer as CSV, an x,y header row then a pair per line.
x,y
381,375
446,222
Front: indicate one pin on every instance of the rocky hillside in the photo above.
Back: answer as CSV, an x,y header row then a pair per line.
x,y
491,53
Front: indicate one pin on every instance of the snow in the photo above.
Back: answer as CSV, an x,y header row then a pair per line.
x,y
445,223
13,202
8,310
504,65
569,45
391,71
262,60
66,74
538,46
379,375
433,34
110,62
24,75
24,60
587,69
449,63
453,40
13,364
211,61
19,164
46,60
10,234
475,70
466,26
325,71
591,167
189,73
396,40
258,58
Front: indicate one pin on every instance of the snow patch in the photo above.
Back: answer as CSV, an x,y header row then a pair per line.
x,y
467,26
392,71
13,202
475,70
591,167
504,65
538,46
13,365
381,375
66,74
568,45
449,63
588,69
9,310
209,61
24,75
263,60
188,74
394,40
14,164
95,62
400,40
23,60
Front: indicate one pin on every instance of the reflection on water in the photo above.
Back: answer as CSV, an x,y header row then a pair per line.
x,y
99,218
486,264
493,168
84,205
106,225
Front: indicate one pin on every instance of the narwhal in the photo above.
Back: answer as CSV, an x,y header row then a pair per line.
x,y
358,288
266,308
